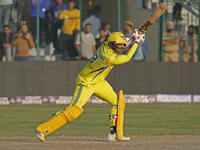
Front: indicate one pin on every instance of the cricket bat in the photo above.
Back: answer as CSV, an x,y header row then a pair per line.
x,y
155,15
152,18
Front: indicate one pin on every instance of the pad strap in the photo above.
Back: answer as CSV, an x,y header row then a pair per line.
x,y
114,106
113,116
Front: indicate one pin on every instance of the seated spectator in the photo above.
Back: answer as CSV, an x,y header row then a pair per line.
x,y
127,28
94,21
6,38
88,44
106,27
102,38
189,45
23,41
54,11
170,44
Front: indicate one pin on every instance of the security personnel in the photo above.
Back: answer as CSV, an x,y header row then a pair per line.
x,y
170,44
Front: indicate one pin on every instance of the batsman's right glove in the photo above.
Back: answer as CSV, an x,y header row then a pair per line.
x,y
139,38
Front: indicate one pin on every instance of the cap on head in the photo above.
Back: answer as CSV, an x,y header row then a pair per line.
x,y
130,23
171,24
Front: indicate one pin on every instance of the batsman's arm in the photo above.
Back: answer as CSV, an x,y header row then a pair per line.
x,y
120,59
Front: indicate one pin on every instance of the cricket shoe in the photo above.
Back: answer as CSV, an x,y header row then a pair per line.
x,y
113,137
39,135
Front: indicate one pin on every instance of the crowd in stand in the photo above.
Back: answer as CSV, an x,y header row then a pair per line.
x,y
59,23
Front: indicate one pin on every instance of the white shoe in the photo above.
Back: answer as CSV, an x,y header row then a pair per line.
x,y
113,137
124,138
39,135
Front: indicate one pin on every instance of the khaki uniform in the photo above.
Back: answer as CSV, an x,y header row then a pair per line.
x,y
189,46
171,51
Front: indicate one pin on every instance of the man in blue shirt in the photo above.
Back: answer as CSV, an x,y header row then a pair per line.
x,y
56,23
43,6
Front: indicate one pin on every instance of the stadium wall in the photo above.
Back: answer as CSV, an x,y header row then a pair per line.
x,y
38,78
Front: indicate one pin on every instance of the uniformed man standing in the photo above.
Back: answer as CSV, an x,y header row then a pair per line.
x,y
170,44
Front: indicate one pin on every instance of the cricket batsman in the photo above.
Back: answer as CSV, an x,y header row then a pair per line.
x,y
91,80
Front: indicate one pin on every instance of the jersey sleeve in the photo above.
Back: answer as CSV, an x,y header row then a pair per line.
x,y
61,15
120,59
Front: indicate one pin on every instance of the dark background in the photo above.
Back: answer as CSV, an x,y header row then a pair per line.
x,y
38,78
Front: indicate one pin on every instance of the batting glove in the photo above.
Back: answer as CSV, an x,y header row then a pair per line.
x,y
139,38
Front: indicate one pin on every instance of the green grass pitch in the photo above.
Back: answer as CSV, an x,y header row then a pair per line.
x,y
140,119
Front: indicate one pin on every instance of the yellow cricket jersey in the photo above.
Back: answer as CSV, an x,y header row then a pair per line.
x,y
71,20
101,64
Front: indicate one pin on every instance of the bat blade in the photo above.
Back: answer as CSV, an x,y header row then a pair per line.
x,y
152,18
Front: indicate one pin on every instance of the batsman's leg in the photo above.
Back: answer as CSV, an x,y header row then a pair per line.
x,y
57,121
105,92
120,118
81,95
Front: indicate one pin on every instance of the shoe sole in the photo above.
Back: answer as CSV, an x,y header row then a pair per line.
x,y
111,140
124,140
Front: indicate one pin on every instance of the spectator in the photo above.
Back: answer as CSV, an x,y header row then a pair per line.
x,y
23,8
98,14
197,30
47,23
142,52
71,22
6,38
5,11
43,5
177,11
189,45
106,27
94,21
1,52
13,15
170,44
88,44
23,41
127,28
73,53
55,8
102,38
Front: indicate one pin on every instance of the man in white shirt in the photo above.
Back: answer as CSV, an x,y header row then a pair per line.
x,y
88,43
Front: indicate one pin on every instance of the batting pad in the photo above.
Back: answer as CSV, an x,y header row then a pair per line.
x,y
56,122
120,119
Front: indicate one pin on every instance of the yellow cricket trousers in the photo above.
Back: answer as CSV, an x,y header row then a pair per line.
x,y
102,90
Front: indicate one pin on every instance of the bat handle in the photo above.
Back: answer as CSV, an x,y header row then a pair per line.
x,y
130,40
